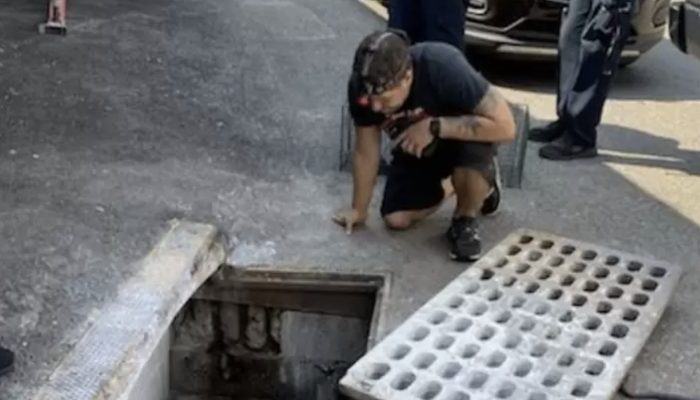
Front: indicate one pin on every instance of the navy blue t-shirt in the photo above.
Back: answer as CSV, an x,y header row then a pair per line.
x,y
444,84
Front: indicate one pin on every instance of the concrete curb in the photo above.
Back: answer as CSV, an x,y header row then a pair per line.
x,y
117,347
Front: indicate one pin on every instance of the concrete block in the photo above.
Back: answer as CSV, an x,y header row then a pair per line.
x,y
538,317
322,337
230,317
256,328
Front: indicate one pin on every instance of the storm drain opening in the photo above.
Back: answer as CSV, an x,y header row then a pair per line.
x,y
269,334
538,317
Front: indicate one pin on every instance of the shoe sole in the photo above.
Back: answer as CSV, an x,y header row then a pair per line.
x,y
471,258
593,154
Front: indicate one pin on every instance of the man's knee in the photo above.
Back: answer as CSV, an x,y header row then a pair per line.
x,y
398,221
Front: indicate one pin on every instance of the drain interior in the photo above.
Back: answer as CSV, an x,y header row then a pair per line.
x,y
261,334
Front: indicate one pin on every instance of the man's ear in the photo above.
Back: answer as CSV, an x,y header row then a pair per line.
x,y
408,78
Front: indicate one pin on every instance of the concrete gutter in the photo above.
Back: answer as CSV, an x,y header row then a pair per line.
x,y
107,361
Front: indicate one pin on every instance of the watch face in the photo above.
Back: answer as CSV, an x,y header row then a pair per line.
x,y
435,127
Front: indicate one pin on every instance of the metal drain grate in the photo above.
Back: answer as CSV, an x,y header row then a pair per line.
x,y
539,317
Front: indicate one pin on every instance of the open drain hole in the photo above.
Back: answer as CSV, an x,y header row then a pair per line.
x,y
552,378
501,263
604,307
634,266
523,368
461,324
478,379
630,315
457,396
567,250
589,255
607,349
590,286
469,351
546,244
526,239
612,260
594,367
471,288
399,352
555,294
619,331
449,370
534,255
578,267
649,285
496,359
522,268
243,327
581,389
579,340
403,381
657,272
419,334
506,390
444,342
556,261
625,279
514,250
566,360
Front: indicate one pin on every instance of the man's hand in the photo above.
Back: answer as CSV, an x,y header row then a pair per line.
x,y
349,219
416,138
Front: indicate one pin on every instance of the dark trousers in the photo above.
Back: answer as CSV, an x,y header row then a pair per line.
x,y
430,20
593,35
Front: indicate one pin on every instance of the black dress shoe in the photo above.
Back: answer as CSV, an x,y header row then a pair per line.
x,y
547,133
564,149
6,361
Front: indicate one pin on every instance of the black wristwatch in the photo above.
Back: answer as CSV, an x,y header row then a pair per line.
x,y
435,127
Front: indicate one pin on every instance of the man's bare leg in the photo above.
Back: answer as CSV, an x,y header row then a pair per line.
x,y
472,189
402,220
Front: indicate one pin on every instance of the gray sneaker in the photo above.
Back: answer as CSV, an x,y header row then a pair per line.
x,y
465,242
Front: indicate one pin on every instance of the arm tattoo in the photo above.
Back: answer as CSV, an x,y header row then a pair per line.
x,y
488,103
468,127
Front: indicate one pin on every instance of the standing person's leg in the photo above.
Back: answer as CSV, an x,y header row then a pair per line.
x,y
602,42
573,22
405,15
7,359
443,21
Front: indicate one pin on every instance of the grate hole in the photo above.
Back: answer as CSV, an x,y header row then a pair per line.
x,y
592,323
486,274
526,239
449,370
604,307
640,299
477,380
478,309
538,350
522,368
614,292
567,316
506,390
590,286
579,341
544,274
532,287
496,360
429,391
567,280
403,381
630,315
509,281
578,267
579,300
619,331
567,250
469,351
399,352
556,261
534,255
566,360
377,371
461,325
503,317
444,342
527,325
552,378
424,360
555,294
486,333
455,302
493,294
437,317
419,334
658,272
512,340
514,250
458,396
589,255
546,244
541,309
595,367
649,285
471,288
634,266
522,268
607,349
601,273
625,279
612,260
553,333
537,396
581,389
501,263
517,302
